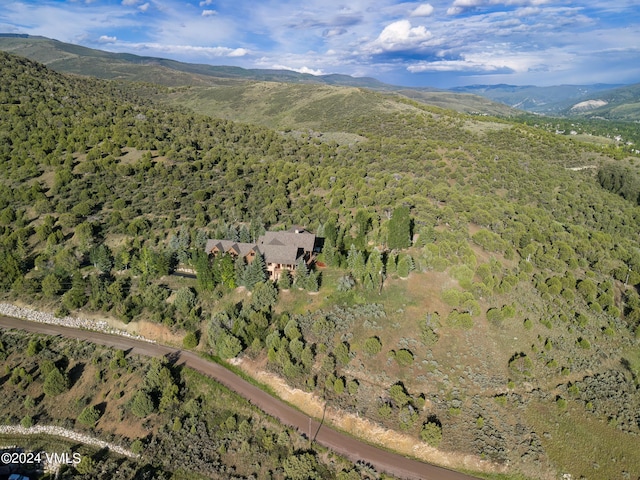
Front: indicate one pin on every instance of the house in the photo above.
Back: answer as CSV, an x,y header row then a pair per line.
x,y
281,250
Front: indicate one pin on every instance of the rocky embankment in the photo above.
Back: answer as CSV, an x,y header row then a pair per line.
x,y
10,310
68,434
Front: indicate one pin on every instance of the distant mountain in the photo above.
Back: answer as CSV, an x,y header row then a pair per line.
x,y
621,103
547,100
69,58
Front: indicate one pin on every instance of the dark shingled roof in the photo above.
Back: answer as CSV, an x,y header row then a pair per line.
x,y
284,254
277,247
226,245
303,240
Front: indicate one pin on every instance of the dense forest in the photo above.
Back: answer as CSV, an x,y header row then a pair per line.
x,y
473,292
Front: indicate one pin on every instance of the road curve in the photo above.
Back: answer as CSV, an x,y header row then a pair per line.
x,y
355,450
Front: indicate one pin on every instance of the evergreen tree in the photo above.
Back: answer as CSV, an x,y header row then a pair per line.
x,y
224,271
10,269
284,282
244,235
204,271
399,229
239,266
255,272
351,257
55,383
301,274
375,267
359,270
101,258
51,286
405,265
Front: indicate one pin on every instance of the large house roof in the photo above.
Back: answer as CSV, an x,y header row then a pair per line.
x,y
284,254
277,247
240,248
298,239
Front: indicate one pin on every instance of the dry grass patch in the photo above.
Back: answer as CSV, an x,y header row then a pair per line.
x,y
583,445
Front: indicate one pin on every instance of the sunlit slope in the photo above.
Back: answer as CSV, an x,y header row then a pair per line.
x,y
281,105
70,58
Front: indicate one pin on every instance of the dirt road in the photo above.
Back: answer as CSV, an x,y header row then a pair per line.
x,y
339,442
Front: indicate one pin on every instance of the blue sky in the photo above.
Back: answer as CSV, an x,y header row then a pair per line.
x,y
441,43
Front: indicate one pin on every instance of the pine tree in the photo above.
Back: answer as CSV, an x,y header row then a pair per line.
x,y
399,229
255,272
375,267
204,271
359,270
301,274
284,282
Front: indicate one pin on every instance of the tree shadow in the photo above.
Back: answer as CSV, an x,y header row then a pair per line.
x,y
75,373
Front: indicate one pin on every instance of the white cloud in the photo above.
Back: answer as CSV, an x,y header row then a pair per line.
x,y
460,6
400,35
238,52
107,39
424,10
144,7
299,70
528,11
209,13
187,49
206,3
499,60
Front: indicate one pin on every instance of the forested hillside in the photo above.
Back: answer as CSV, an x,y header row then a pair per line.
x,y
473,291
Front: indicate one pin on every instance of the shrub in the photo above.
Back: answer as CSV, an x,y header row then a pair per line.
x,y
55,383
372,346
190,340
345,283
137,446
460,319
494,315
141,404
385,411
451,297
404,357
89,416
432,433
399,395
521,364
584,343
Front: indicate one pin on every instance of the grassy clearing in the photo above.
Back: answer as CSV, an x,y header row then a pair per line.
x,y
583,445
280,105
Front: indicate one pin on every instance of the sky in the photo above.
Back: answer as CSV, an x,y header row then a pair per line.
x,y
442,43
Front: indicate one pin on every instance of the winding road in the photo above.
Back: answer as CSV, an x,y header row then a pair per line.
x,y
355,450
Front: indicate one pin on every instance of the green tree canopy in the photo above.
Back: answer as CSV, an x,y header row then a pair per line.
x,y
399,236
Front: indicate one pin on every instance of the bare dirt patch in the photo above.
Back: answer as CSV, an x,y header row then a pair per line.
x,y
131,155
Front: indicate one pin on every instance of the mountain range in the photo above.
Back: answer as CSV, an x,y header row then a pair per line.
x,y
615,102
